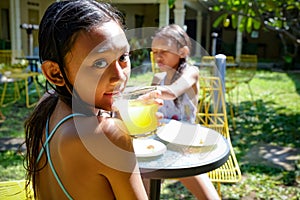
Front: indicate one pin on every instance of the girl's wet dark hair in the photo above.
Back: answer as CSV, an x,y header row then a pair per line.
x,y
60,25
57,33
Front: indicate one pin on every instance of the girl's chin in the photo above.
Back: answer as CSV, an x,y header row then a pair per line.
x,y
106,108
105,103
164,67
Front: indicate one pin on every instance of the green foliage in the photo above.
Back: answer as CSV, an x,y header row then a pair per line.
x,y
271,13
171,3
11,167
138,51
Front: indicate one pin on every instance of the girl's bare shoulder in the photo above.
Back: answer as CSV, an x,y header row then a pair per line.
x,y
86,131
115,130
192,68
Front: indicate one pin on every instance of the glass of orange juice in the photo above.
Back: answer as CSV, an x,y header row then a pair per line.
x,y
137,112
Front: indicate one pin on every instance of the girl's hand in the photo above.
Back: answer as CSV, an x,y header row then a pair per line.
x,y
155,94
159,116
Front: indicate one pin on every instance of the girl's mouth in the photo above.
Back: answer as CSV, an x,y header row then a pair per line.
x,y
114,93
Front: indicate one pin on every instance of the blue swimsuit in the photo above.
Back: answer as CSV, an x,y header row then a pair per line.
x,y
46,146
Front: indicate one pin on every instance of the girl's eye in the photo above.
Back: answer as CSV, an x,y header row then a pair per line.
x,y
100,63
124,57
159,52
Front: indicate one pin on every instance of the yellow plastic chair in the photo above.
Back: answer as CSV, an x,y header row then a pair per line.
x,y
19,79
244,73
15,77
154,67
6,63
231,82
208,59
247,69
231,75
207,65
2,117
6,57
9,84
14,190
212,114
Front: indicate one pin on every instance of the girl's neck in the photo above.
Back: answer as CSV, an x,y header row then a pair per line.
x,y
169,76
173,74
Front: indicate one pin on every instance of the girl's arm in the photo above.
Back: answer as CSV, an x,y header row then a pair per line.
x,y
123,175
189,78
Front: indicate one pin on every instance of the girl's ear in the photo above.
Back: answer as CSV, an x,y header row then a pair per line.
x,y
52,73
184,52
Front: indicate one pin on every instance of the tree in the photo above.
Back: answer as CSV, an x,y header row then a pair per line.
x,y
282,16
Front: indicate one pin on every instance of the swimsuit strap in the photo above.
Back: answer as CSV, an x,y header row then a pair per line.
x,y
54,130
46,145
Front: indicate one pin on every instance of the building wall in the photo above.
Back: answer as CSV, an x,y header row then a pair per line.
x,y
148,11
266,46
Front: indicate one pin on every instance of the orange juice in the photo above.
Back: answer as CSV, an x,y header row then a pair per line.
x,y
139,116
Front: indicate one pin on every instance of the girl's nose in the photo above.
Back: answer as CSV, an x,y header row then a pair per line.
x,y
158,57
118,74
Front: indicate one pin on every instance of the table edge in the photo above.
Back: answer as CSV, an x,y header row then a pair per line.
x,y
183,172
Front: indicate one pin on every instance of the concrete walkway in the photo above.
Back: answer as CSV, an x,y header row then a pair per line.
x,y
12,144
273,156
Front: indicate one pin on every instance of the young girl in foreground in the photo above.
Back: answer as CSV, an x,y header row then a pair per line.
x,y
179,86
73,151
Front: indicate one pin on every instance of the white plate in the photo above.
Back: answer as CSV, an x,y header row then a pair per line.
x,y
187,134
148,147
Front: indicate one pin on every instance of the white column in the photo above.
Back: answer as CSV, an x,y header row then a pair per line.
x,y
239,41
179,13
164,13
199,33
214,36
15,32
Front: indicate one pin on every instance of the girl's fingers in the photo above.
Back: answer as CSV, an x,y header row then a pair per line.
x,y
160,102
159,115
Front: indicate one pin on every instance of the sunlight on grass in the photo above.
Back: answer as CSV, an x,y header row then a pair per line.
x,y
144,79
11,167
279,88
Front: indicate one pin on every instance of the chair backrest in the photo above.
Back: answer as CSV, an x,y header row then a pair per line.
x,y
207,66
12,190
154,67
230,59
231,78
6,57
211,107
9,61
208,59
248,61
247,66
212,114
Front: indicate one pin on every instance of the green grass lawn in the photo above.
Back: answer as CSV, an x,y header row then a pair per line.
x,y
273,120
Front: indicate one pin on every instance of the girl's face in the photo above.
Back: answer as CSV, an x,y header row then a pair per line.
x,y
98,65
165,53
